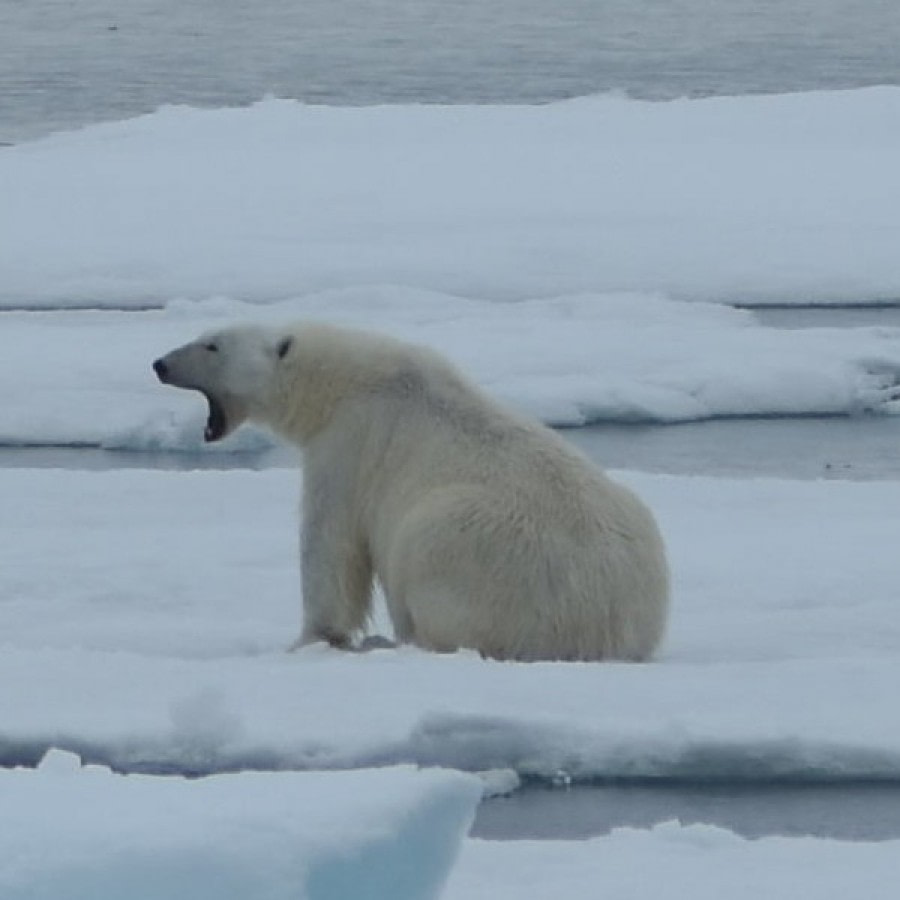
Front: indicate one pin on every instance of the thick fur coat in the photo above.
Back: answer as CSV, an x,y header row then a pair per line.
x,y
485,530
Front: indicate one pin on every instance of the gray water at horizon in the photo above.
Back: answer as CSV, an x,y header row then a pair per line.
x,y
64,64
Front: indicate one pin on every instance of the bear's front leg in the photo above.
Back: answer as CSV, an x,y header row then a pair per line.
x,y
336,577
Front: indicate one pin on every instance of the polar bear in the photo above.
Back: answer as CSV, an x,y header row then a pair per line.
x,y
485,530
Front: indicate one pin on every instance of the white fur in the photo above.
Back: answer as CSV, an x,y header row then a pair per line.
x,y
484,529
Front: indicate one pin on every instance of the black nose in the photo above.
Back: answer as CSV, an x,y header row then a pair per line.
x,y
161,369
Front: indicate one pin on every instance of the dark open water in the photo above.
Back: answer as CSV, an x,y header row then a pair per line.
x,y
64,63
860,448
855,812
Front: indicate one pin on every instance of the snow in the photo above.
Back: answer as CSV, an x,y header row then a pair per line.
x,y
578,259
85,377
701,862
149,621
780,198
561,254
87,834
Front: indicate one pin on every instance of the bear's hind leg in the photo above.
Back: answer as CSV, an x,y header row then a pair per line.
x,y
446,585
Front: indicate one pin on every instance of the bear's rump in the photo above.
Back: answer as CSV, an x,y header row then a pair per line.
x,y
470,568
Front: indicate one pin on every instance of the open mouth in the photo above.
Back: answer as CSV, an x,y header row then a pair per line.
x,y
216,423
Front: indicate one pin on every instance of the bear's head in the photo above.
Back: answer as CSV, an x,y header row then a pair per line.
x,y
233,368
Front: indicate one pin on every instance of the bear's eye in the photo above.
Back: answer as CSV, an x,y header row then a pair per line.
x,y
213,348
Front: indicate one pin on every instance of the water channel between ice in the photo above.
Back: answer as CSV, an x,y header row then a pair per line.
x,y
864,447
866,811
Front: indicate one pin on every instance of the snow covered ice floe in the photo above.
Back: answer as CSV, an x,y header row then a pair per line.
x,y
699,861
788,198
87,834
85,377
148,616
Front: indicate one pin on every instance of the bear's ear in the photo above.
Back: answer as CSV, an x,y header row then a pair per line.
x,y
284,345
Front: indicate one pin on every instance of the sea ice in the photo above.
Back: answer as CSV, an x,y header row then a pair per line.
x,y
85,377
697,862
86,834
788,198
146,616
